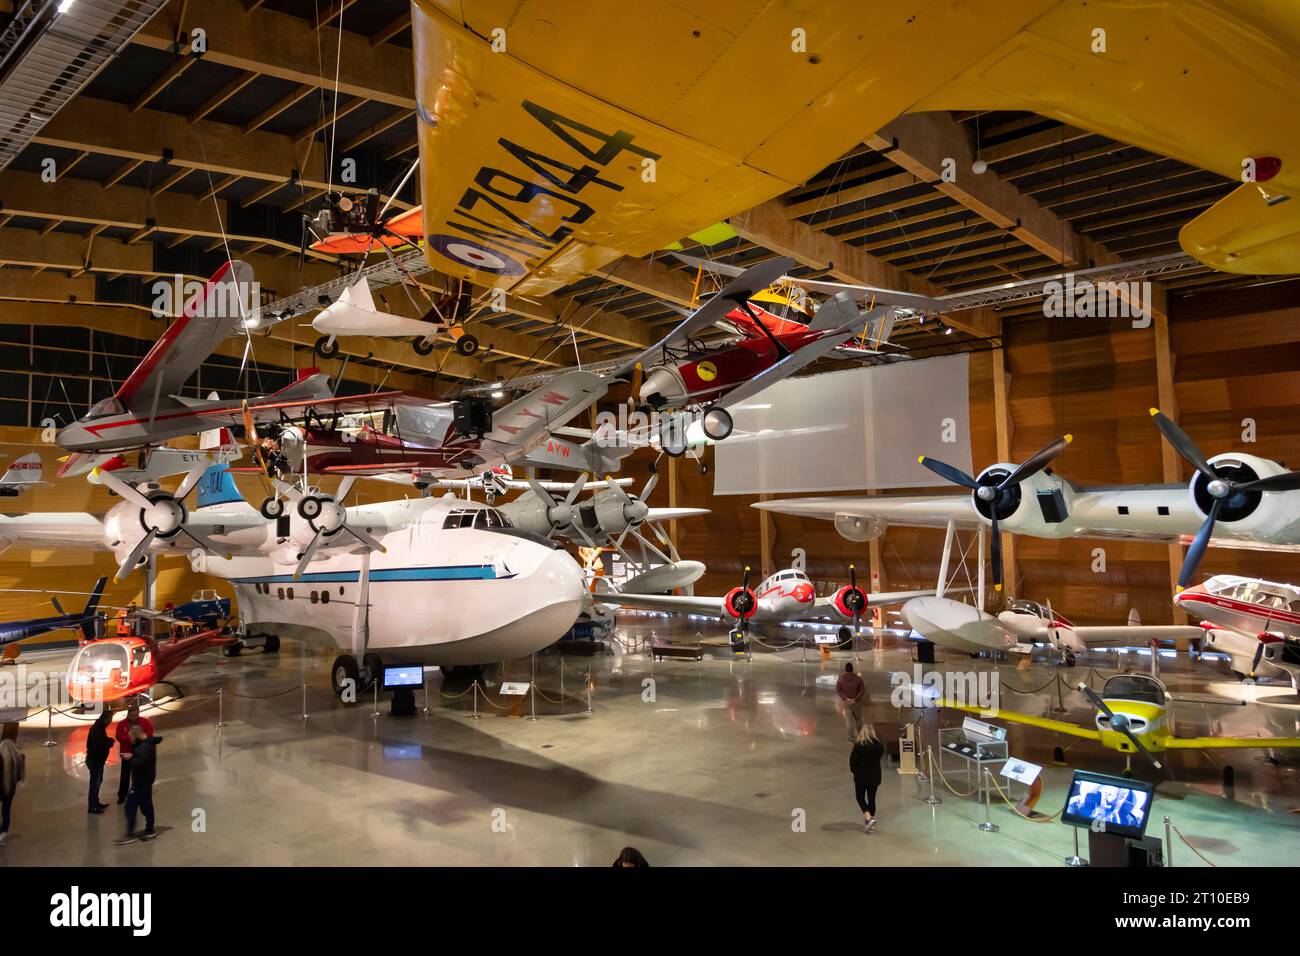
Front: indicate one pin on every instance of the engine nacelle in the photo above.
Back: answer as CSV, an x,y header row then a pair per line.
x,y
848,598
1256,514
1034,506
740,603
527,513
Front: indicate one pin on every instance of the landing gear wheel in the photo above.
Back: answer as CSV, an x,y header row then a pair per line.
x,y
309,508
704,468
672,437
844,634
1069,659
232,649
325,348
343,670
272,645
272,508
467,344
717,423
372,669
422,347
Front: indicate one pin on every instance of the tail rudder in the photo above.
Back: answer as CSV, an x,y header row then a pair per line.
x,y
217,487
24,471
95,594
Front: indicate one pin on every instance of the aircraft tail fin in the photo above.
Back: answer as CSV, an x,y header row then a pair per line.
x,y
58,606
1134,618
217,487
23,472
88,628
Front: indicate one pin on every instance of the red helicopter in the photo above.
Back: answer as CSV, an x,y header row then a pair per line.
x,y
133,660
681,372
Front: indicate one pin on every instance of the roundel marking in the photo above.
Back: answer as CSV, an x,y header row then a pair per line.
x,y
707,371
469,253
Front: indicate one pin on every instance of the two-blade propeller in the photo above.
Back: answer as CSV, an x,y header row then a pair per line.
x,y
999,496
1118,722
1219,487
162,515
326,516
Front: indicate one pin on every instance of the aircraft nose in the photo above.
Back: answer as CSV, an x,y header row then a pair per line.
x,y
660,388
803,593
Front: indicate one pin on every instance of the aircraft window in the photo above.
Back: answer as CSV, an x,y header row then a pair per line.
x,y
279,592
140,657
315,597
290,594
325,596
105,407
459,519
490,518
1128,687
1295,607
99,661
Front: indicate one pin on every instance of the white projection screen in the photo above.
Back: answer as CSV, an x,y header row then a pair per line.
x,y
844,431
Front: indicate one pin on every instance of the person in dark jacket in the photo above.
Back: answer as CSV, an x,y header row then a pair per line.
x,y
122,732
864,761
98,746
144,768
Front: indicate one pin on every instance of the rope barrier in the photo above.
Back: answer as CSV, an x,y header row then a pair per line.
x,y
542,694
296,688
1016,810
1039,690
446,696
1192,848
938,768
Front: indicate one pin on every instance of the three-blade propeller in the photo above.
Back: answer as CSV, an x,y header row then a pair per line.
x,y
998,497
1220,488
162,515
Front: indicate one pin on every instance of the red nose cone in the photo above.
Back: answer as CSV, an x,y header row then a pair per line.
x,y
803,593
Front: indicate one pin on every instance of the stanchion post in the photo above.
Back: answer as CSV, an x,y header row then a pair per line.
x,y
561,685
375,713
1169,843
589,688
49,728
305,715
1060,701
532,701
1075,860
426,709
474,690
932,800
221,707
988,826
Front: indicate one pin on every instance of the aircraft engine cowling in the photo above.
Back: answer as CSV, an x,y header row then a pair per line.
x,y
1036,505
1255,513
740,603
850,601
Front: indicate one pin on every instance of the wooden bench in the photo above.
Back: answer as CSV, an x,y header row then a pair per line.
x,y
679,651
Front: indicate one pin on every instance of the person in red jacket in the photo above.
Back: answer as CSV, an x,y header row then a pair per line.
x,y
122,733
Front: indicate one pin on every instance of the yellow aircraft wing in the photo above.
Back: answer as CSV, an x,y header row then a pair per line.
x,y
1209,743
1046,723
557,136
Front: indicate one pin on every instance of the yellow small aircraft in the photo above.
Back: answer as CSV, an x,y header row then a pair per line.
x,y
1132,717
556,137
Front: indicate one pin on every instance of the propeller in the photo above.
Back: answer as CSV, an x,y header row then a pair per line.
x,y
1220,487
1118,722
326,516
1000,499
855,600
560,513
162,515
740,603
635,510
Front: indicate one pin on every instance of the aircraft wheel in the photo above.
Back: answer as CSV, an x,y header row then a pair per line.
x,y
372,668
272,508
704,468
325,348
1070,659
717,423
467,344
232,650
422,347
844,634
309,508
344,669
672,437
272,645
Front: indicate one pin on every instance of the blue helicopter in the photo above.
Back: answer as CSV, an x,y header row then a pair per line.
x,y
87,620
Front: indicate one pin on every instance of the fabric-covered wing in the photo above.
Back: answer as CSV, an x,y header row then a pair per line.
x,y
217,313
1219,743
931,511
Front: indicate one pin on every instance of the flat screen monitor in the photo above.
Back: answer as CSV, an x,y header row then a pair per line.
x,y
411,675
1123,804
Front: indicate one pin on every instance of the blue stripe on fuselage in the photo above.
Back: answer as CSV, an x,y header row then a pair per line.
x,y
459,572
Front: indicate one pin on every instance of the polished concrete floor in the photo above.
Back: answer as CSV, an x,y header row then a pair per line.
x,y
722,762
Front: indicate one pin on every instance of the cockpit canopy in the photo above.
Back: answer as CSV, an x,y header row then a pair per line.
x,y
1263,594
106,663
105,407
1136,687
485,519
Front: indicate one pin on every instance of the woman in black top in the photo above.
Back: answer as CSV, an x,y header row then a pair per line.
x,y
864,761
98,745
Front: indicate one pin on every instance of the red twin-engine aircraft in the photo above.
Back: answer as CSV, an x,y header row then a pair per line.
x,y
681,372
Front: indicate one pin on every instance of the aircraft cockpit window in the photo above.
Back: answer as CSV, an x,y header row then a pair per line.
x,y
140,657
459,519
105,407
1129,687
100,662
490,518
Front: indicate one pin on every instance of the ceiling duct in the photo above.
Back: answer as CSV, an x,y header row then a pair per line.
x,y
50,50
